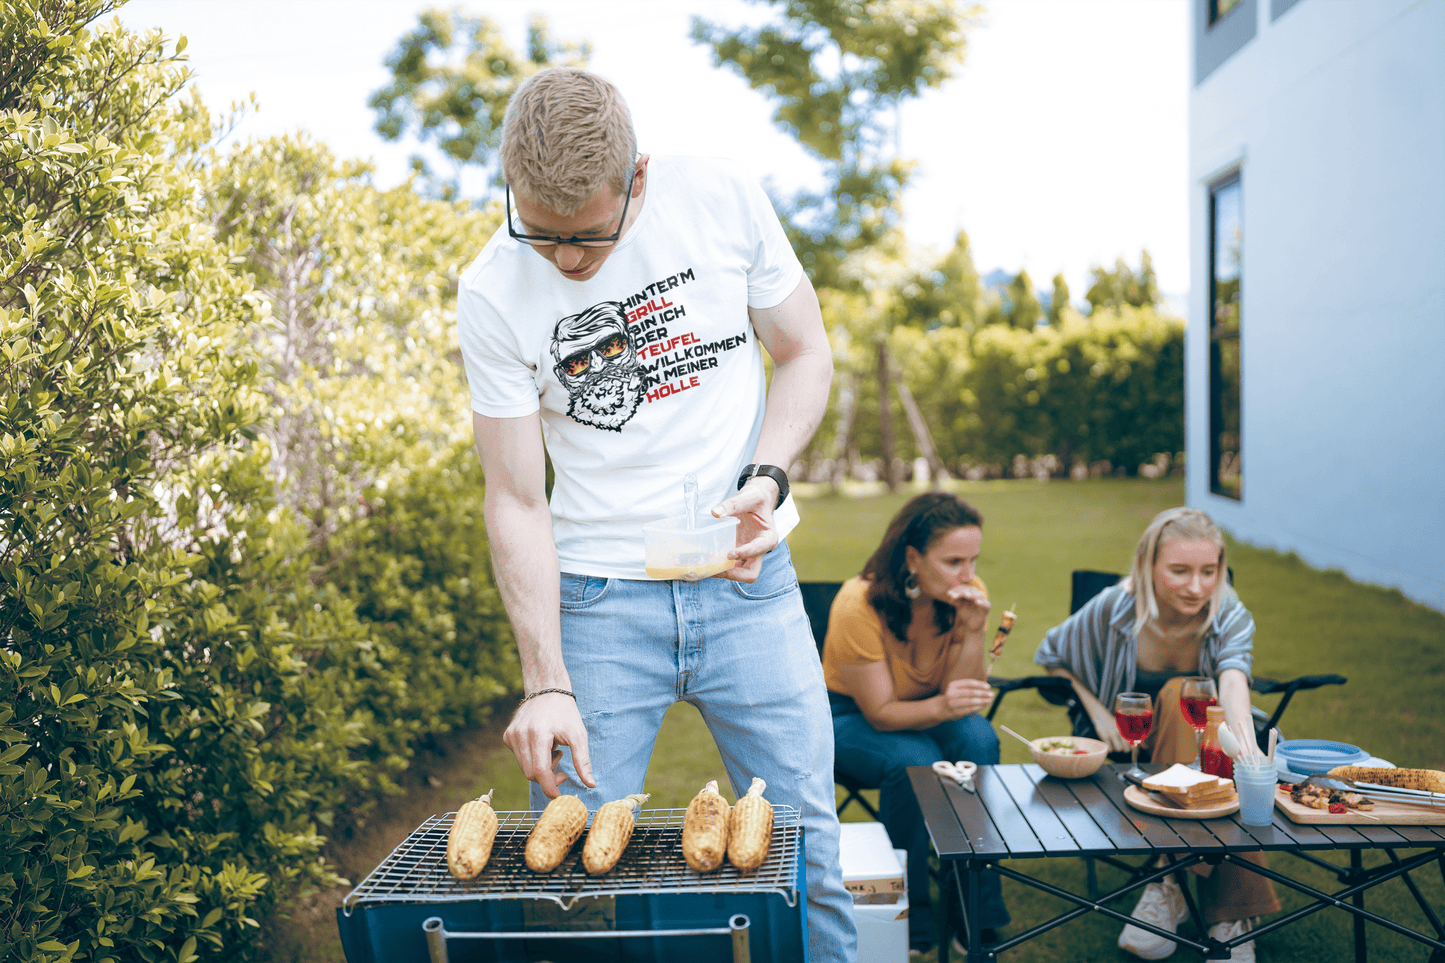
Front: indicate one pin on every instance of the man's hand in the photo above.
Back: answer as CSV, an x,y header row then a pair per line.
x,y
964,697
756,534
536,735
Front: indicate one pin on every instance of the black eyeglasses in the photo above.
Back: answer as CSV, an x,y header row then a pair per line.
x,y
548,240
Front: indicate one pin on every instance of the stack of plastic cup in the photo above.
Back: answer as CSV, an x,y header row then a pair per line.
x,y
1254,780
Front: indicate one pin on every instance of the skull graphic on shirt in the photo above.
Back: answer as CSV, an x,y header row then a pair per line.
x,y
597,363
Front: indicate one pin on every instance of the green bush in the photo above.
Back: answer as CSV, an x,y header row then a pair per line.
x,y
122,371
1107,387
207,652
369,436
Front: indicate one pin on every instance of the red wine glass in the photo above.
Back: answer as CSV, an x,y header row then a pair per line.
x,y
1134,715
1196,695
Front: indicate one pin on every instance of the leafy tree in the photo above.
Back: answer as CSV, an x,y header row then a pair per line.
x,y
837,70
1060,299
1024,308
1148,283
451,79
1122,286
949,293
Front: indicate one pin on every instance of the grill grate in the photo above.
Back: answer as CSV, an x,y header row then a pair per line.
x,y
416,871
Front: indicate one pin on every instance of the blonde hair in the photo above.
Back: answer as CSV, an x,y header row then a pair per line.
x,y
567,134
1172,523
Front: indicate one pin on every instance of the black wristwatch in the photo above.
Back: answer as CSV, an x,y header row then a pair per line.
x,y
773,472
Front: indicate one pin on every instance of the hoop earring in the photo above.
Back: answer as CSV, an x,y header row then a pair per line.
x,y
910,586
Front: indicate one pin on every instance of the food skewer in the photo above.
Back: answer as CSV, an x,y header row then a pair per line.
x,y
995,649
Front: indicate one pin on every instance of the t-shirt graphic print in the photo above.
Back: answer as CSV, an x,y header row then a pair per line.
x,y
618,354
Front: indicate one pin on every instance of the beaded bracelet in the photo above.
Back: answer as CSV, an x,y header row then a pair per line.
x,y
545,691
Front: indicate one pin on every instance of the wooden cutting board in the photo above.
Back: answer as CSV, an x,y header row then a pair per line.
x,y
1385,813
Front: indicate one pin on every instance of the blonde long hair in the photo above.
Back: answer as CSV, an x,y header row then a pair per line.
x,y
1185,523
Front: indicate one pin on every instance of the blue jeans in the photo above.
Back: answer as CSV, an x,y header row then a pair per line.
x,y
744,655
881,759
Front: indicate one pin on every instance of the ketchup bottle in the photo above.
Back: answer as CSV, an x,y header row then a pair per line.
x,y
1211,756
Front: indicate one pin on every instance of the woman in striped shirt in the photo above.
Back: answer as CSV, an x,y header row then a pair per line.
x,y
1173,617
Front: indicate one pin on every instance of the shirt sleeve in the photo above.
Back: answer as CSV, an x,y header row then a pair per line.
x,y
1078,643
1233,642
503,384
775,269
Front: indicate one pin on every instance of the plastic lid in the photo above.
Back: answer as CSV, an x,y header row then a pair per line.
x,y
1314,757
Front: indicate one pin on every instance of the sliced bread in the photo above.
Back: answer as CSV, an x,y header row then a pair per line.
x,y
1200,800
1181,782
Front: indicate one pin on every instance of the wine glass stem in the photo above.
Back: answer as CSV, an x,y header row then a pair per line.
x,y
1134,757
1199,747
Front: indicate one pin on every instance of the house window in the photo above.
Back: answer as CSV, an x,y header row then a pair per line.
x,y
1225,258
1219,9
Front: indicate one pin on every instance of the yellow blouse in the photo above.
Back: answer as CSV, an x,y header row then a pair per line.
x,y
857,635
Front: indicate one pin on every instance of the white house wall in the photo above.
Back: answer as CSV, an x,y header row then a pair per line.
x,y
1335,116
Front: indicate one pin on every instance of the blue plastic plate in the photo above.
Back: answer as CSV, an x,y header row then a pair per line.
x,y
1314,757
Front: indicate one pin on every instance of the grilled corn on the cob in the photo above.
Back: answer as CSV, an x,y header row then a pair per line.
x,y
611,830
750,829
469,844
556,830
705,830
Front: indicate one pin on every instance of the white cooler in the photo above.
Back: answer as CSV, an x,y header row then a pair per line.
x,y
875,873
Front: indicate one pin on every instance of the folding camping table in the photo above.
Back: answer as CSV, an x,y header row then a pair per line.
x,y
1019,812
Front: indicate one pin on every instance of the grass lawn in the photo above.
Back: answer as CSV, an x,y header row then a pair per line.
x,y
1034,534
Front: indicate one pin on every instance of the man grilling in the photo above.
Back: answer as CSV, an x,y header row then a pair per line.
x,y
691,254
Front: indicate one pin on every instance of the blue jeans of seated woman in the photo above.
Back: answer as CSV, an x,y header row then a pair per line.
x,y
744,655
882,759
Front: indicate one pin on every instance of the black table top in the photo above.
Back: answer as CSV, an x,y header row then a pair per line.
x,y
1022,812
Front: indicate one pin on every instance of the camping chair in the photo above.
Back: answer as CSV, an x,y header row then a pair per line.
x,y
1086,584
818,600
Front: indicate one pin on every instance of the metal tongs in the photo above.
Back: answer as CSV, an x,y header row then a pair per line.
x,y
960,772
1394,794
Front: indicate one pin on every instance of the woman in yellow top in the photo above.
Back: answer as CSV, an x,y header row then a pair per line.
x,y
905,668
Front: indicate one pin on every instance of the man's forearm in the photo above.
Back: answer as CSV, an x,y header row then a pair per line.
x,y
524,564
797,401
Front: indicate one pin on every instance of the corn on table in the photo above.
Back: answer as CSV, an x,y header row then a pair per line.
x,y
1021,812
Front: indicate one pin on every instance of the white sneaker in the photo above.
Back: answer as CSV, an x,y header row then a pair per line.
x,y
1231,929
1162,905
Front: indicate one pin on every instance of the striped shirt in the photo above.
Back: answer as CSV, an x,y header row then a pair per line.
x,y
1099,646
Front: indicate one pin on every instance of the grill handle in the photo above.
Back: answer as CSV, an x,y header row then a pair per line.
x,y
436,939
742,953
437,936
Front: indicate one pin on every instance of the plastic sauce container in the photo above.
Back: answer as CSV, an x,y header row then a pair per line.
x,y
675,551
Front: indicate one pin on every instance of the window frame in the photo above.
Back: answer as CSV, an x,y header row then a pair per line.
x,y
1231,179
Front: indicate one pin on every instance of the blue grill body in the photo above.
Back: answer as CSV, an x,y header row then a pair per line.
x,y
652,890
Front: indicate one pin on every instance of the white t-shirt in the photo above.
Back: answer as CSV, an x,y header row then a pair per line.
x,y
646,371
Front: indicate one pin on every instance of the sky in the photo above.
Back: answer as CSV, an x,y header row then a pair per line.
x,y
1059,145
